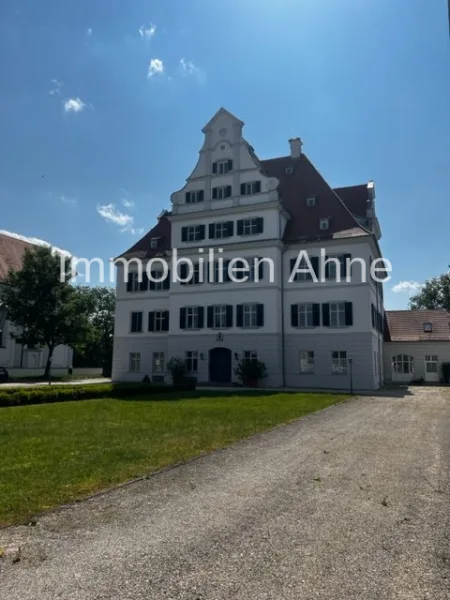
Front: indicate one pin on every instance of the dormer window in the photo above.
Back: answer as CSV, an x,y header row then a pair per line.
x,y
194,197
428,327
154,242
288,170
311,201
222,166
324,224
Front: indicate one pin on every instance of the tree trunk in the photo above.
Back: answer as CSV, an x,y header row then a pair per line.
x,y
49,362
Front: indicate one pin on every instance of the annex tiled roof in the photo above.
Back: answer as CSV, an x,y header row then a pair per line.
x,y
11,254
355,198
299,179
408,326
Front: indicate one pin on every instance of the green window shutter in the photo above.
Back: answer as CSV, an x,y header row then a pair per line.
x,y
184,234
229,315
294,315
214,193
239,315
151,321
210,317
188,197
200,197
259,225
166,321
130,282
211,231
326,315
315,265
201,317
230,165
166,283
316,315
228,191
202,232
214,167
240,227
349,313
242,189
260,315
182,318
257,187
143,286
230,228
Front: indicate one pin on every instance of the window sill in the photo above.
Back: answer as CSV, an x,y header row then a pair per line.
x,y
220,328
338,374
251,326
306,373
305,327
192,329
135,332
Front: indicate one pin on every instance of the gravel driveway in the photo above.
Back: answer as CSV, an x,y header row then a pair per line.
x,y
349,503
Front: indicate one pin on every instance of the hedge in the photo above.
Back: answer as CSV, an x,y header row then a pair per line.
x,y
67,393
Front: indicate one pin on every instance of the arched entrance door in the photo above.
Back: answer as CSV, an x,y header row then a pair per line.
x,y
220,365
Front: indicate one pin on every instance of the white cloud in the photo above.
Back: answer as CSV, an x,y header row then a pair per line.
x,y
89,32
409,287
127,203
188,68
67,199
112,215
74,105
36,242
147,32
155,67
55,87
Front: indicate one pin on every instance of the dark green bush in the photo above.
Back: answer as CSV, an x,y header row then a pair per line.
x,y
66,393
446,372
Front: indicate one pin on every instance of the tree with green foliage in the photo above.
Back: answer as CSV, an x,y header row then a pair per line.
x,y
97,346
434,294
42,303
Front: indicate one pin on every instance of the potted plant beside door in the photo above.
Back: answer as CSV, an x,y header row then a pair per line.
x,y
250,372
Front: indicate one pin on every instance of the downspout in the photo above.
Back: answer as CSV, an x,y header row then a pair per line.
x,y
283,348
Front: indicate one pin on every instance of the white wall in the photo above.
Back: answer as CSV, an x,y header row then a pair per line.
x,y
418,350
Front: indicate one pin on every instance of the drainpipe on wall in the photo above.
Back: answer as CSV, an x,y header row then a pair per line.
x,y
283,350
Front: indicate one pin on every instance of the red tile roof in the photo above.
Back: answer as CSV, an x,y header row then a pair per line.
x,y
408,325
294,188
11,254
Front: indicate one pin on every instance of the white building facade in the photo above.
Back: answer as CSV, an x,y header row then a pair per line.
x,y
325,334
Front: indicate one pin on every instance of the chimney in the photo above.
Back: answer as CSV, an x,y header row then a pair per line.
x,y
296,147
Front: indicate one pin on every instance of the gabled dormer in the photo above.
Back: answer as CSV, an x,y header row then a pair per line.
x,y
228,172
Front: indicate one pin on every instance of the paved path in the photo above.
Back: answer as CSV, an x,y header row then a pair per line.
x,y
349,503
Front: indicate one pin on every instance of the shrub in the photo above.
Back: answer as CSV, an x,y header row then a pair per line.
x,y
446,372
250,371
66,393
177,370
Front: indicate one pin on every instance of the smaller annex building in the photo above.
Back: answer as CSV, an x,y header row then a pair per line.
x,y
416,343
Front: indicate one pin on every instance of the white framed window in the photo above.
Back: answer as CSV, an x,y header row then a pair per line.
x,y
221,167
339,362
324,223
403,363
194,197
135,362
305,315
195,279
311,201
337,314
288,170
136,322
222,192
331,266
428,327
220,316
220,230
133,282
154,242
159,320
431,363
158,362
191,360
250,187
306,361
192,321
194,233
156,283
250,315
250,356
249,227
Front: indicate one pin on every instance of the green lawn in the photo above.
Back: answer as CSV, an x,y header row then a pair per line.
x,y
55,453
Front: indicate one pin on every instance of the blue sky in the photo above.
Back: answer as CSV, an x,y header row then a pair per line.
x,y
365,83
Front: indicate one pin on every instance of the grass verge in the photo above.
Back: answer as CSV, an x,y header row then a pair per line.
x,y
52,454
